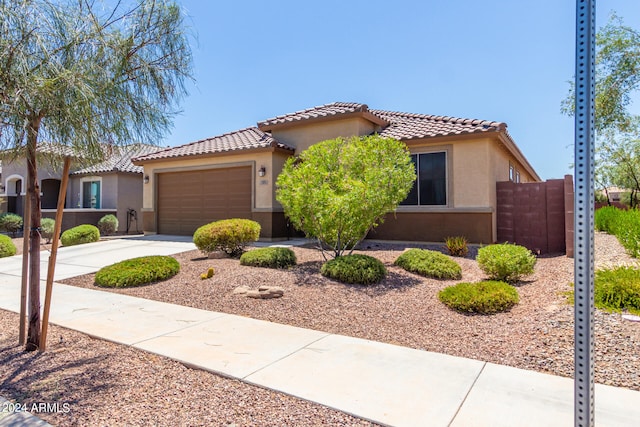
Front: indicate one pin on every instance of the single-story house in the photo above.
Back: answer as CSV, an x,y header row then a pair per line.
x,y
113,186
458,162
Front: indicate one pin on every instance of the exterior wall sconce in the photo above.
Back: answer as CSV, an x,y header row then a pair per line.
x,y
262,171
146,179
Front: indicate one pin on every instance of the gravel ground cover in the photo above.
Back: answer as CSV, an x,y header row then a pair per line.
x,y
537,334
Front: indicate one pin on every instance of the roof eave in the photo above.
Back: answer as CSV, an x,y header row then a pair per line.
x,y
267,127
142,162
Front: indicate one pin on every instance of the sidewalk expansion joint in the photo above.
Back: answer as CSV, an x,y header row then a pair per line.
x,y
467,394
168,334
245,378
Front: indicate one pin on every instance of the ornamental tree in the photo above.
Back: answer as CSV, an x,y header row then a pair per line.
x,y
85,74
339,189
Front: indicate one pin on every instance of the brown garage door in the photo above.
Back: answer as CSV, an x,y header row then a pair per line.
x,y
187,200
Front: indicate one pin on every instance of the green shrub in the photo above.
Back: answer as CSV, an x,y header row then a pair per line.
x,y
618,289
430,264
80,234
506,262
7,248
457,246
228,235
604,218
10,222
137,271
108,224
626,227
269,257
357,269
46,228
486,297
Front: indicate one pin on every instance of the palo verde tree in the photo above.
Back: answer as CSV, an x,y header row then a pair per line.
x,y
617,129
339,189
85,74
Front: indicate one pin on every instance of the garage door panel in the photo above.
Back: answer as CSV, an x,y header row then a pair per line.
x,y
187,200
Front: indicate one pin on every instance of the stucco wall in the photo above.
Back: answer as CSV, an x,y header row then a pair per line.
x,y
129,197
304,135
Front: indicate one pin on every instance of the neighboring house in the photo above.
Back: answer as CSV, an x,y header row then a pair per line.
x,y
458,162
113,186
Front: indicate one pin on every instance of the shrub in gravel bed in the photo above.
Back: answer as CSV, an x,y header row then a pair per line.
x,y
626,227
79,235
46,228
269,257
457,246
356,269
617,289
108,224
7,248
227,235
10,223
605,218
429,263
486,297
137,271
506,262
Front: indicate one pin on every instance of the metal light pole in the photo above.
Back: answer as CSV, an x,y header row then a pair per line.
x,y
584,212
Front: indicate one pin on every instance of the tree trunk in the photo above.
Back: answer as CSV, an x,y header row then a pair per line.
x,y
33,192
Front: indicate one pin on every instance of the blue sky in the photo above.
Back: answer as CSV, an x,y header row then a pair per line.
x,y
499,60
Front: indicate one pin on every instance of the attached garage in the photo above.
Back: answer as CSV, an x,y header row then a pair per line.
x,y
188,199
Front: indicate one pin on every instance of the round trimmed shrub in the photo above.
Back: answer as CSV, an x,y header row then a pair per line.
x,y
46,228
227,235
269,257
137,271
486,297
7,248
108,224
80,234
506,262
429,264
10,222
357,269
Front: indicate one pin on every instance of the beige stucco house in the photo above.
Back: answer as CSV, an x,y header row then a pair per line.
x,y
458,162
113,186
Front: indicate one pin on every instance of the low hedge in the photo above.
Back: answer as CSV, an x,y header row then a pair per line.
x,y
269,257
137,271
486,297
80,234
356,269
429,264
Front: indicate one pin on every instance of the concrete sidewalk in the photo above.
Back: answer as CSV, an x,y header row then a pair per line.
x,y
380,382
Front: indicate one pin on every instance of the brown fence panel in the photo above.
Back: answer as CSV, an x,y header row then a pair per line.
x,y
533,214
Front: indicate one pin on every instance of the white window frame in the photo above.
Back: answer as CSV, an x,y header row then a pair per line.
x,y
90,179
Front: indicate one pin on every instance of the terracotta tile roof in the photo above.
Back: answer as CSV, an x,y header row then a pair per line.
x,y
405,126
120,160
334,109
245,139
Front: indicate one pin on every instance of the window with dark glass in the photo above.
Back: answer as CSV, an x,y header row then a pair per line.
x,y
430,187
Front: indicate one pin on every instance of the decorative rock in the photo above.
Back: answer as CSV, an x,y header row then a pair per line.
x,y
241,290
631,317
217,255
266,292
